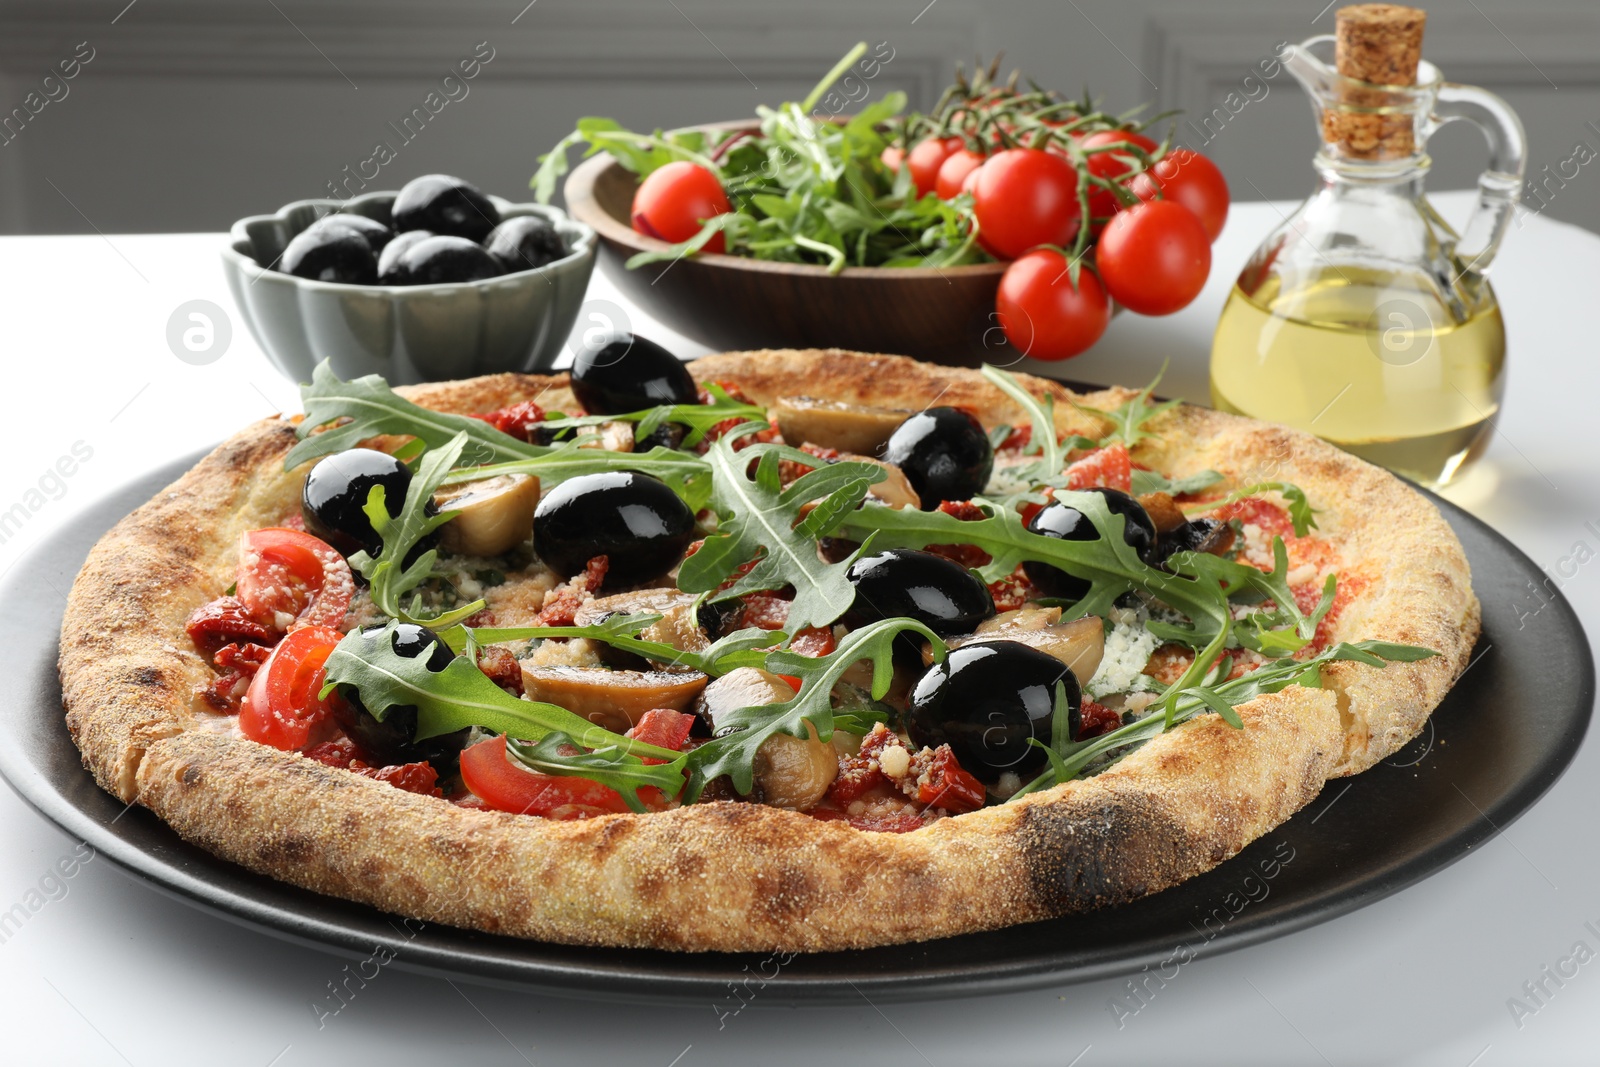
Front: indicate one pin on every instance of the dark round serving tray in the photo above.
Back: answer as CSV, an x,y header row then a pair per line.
x,y
1501,738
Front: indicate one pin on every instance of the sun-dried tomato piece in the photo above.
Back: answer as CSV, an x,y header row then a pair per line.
x,y
965,510
224,621
790,470
946,785
733,391
560,608
1096,719
518,420
245,658
502,667
968,556
856,776
860,772
484,617
721,428
236,663
225,692
345,754
412,777
1012,591
594,573
561,605
339,752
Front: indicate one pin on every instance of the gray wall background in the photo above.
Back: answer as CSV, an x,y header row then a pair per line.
x,y
192,113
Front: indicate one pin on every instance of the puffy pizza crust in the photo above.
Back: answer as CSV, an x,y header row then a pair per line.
x,y
731,876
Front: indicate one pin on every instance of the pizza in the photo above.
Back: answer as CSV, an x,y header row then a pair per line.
x,y
792,650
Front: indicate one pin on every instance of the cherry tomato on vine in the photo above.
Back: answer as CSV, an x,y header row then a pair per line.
x,y
1190,179
1111,166
674,201
281,706
1042,313
1154,257
925,159
1100,137
1025,197
892,157
955,171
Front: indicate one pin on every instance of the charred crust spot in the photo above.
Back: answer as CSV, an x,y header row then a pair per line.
x,y
792,897
290,848
148,677
245,453
188,775
1080,855
609,836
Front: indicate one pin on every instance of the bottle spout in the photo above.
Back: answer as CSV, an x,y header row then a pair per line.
x,y
1315,77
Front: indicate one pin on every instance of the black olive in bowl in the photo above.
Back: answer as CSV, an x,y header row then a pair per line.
x,y
390,272
622,372
445,205
944,453
392,739
902,583
517,322
377,234
525,242
330,254
986,700
1062,520
640,525
442,260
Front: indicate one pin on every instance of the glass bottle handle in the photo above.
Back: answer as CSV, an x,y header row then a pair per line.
x,y
1501,183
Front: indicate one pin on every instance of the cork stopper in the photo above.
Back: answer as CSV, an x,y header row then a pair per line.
x,y
1380,44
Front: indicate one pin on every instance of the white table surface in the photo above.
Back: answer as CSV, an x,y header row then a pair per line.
x,y
112,972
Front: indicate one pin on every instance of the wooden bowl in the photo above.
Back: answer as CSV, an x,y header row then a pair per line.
x,y
734,302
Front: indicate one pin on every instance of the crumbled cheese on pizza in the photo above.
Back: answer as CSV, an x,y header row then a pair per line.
x,y
895,761
1257,546
1004,481
578,652
1128,649
1138,703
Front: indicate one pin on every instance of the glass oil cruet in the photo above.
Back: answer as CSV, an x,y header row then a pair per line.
x,y
1364,318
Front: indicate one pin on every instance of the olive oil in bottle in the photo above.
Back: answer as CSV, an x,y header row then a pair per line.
x,y
1375,362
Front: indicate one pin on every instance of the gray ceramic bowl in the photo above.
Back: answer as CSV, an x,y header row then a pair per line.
x,y
414,333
